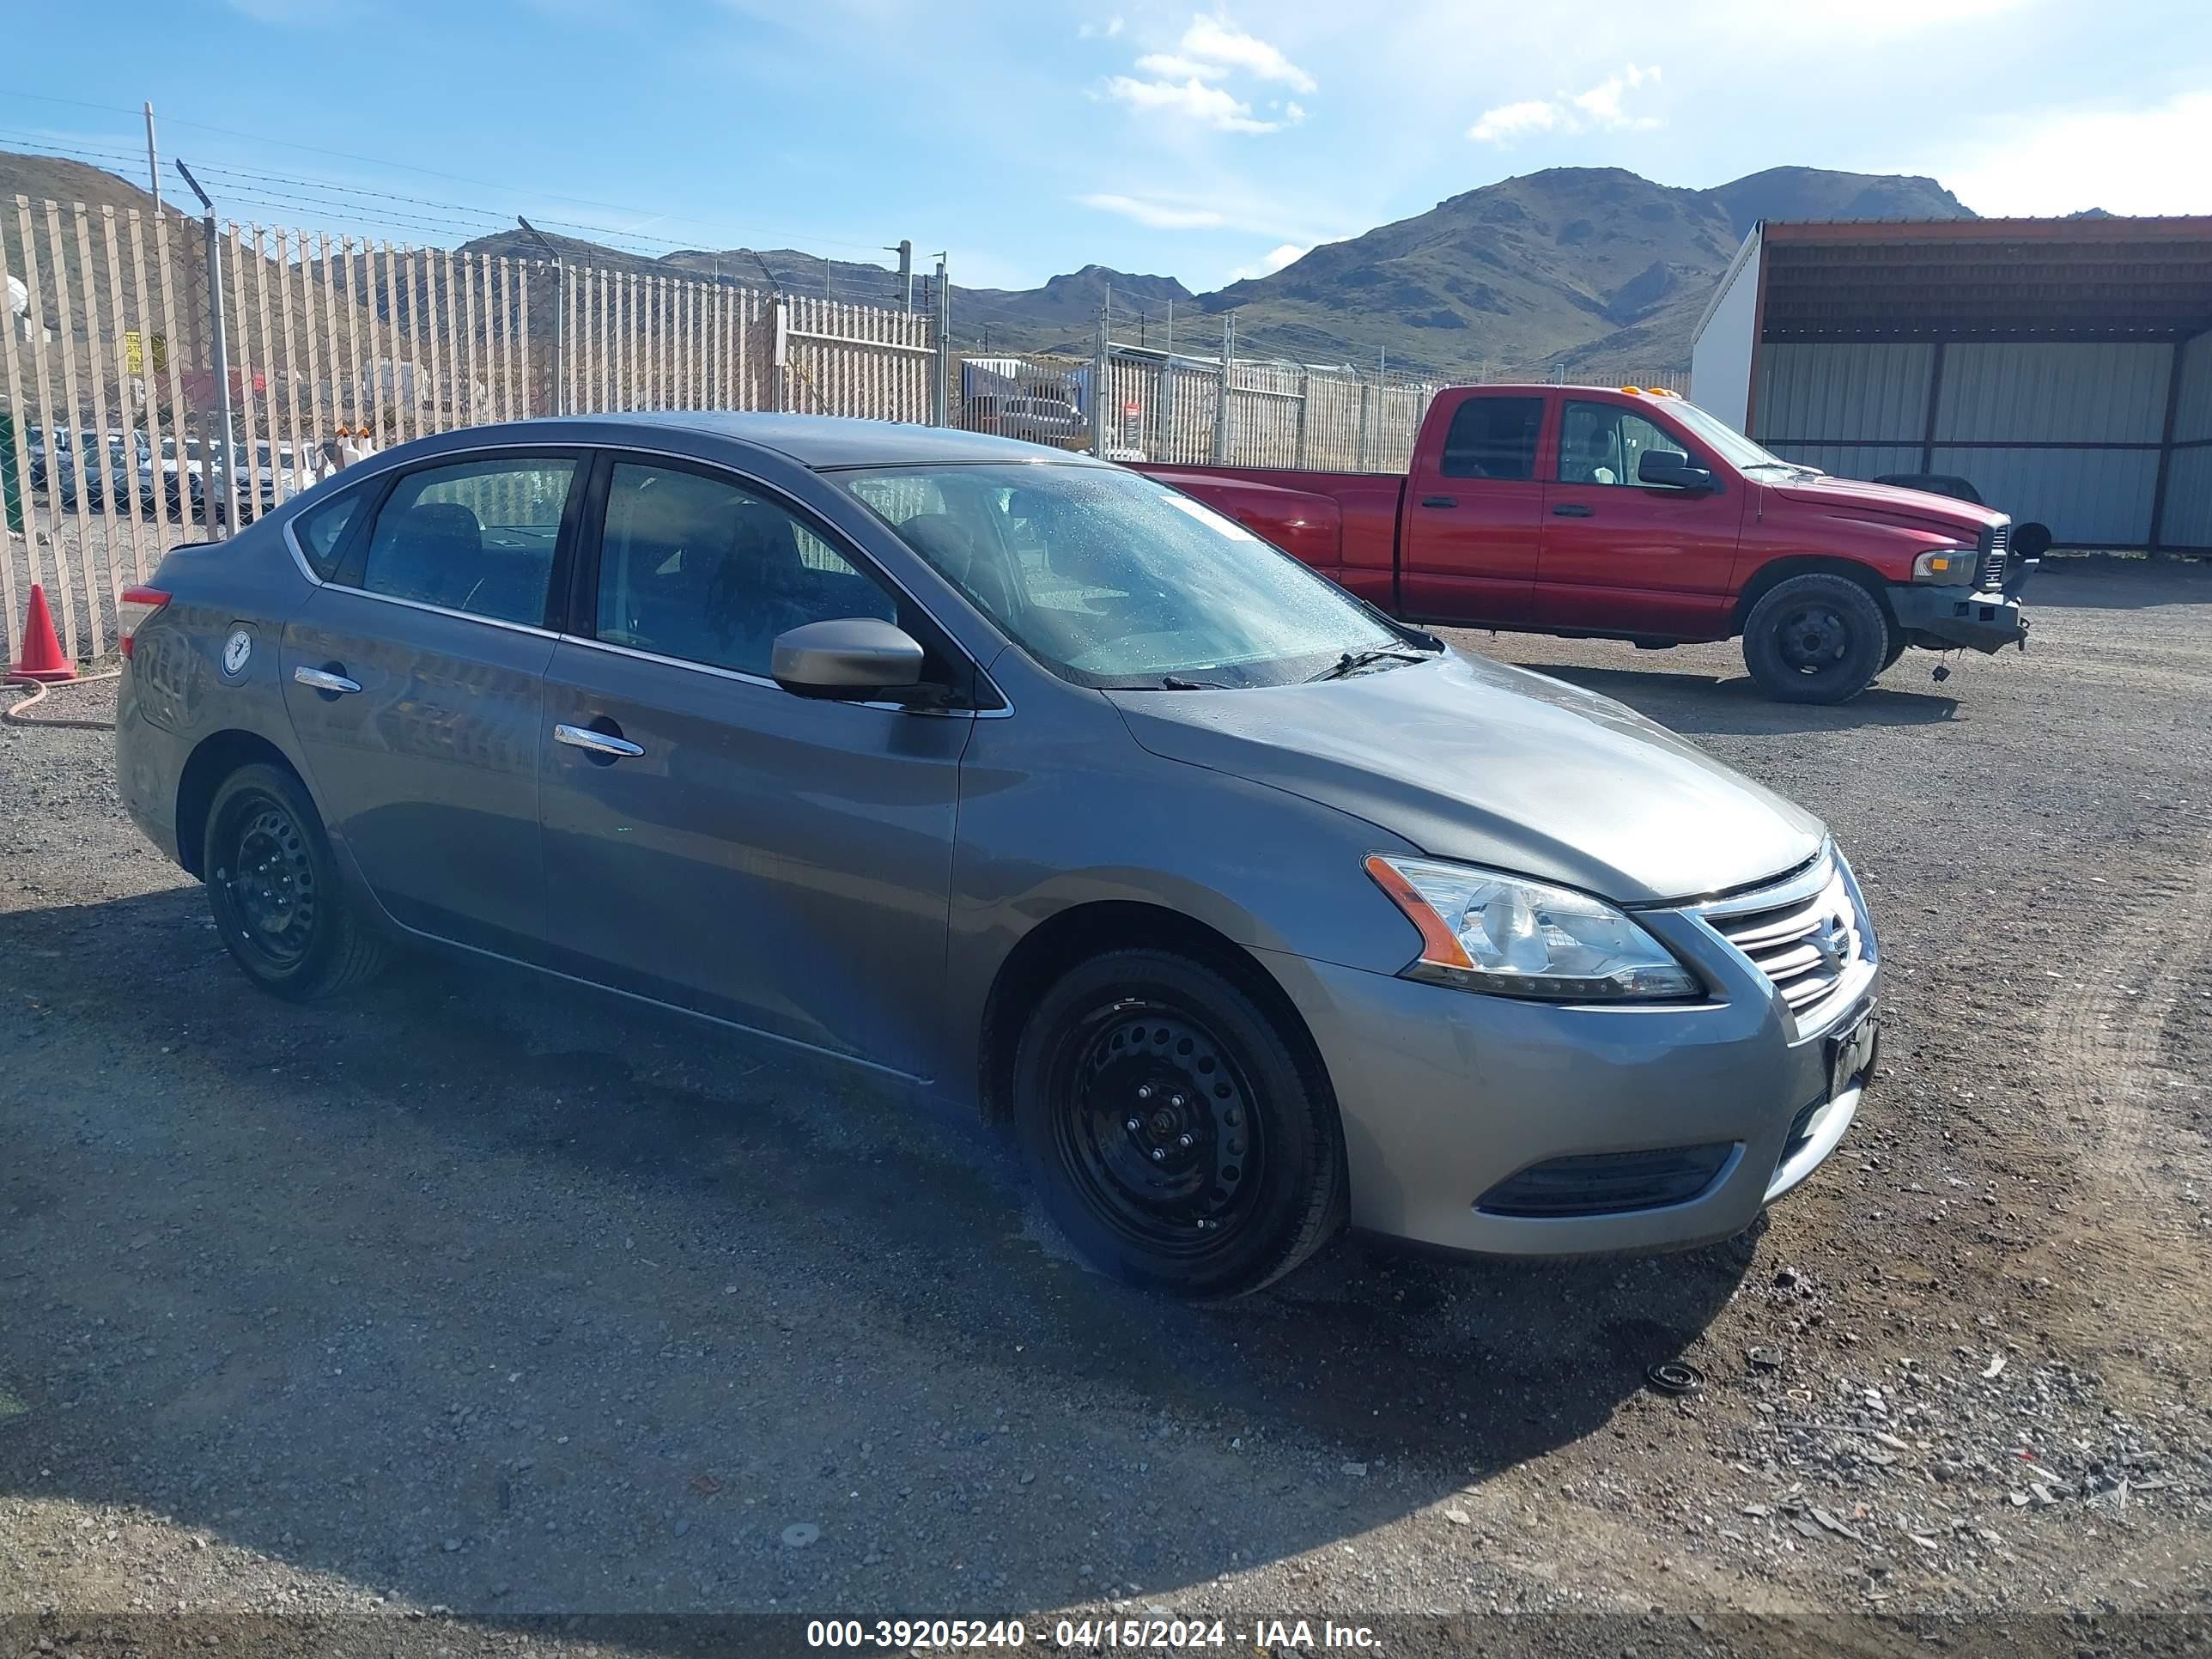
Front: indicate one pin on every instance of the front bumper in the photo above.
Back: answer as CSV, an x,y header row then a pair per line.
x,y
1445,1096
1957,616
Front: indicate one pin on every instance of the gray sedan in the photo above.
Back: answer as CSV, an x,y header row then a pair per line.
x,y
1036,786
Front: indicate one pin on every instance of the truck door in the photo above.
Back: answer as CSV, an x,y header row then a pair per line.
x,y
1473,514
1621,557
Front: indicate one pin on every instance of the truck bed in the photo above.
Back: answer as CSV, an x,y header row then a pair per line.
x,y
1345,525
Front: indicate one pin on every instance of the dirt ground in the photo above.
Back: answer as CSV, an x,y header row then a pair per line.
x,y
489,1295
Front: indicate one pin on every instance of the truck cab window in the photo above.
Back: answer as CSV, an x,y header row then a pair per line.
x,y
1601,444
1493,438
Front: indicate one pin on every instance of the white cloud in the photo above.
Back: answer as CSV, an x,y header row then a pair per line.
x,y
1172,68
1186,82
1603,106
1105,31
1159,216
1213,41
1601,103
1192,100
1507,122
2064,161
1270,262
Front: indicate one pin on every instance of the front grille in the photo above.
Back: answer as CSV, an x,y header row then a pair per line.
x,y
1805,935
1996,549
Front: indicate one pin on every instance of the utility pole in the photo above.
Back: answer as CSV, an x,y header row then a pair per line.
x,y
153,161
218,349
942,414
560,318
905,252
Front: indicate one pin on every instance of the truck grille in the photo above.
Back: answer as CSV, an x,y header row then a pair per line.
x,y
1996,549
1805,934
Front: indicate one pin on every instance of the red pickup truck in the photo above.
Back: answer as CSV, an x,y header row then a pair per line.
x,y
1622,513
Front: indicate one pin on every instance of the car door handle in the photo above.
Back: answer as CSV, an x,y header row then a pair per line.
x,y
596,743
322,679
1574,510
1439,500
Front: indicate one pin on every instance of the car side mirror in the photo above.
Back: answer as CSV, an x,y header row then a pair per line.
x,y
1664,468
845,656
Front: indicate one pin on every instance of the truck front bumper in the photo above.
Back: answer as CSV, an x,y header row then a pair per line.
x,y
1944,616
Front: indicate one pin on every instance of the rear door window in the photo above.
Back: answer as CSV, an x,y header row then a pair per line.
x,y
476,535
1493,438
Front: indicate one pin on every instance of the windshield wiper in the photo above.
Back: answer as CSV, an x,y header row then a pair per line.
x,y
1178,683
1352,661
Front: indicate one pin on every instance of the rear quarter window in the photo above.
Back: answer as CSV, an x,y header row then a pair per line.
x,y
322,527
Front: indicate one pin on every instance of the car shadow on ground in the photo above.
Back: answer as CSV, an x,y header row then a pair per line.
x,y
1703,703
481,1290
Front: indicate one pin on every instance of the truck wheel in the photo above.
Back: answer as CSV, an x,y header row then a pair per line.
x,y
1815,639
1180,1142
279,904
1897,646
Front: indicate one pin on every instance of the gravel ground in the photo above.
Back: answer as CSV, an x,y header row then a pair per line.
x,y
481,1294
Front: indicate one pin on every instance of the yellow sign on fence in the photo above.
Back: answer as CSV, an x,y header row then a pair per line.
x,y
134,353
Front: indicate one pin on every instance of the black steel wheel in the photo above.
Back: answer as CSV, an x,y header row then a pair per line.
x,y
279,903
1180,1140
1816,638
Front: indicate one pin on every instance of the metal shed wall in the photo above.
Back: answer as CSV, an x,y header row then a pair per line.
x,y
2064,432
2188,518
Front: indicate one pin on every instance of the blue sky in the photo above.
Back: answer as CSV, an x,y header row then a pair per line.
x,y
1028,138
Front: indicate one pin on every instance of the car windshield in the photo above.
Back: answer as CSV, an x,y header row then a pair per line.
x,y
1112,581
1725,441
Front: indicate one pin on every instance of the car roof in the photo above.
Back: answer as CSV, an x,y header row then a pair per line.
x,y
822,441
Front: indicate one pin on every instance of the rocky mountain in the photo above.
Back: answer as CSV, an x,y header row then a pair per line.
x,y
1595,269
1591,267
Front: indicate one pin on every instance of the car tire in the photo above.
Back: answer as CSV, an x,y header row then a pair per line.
x,y
1232,1174
1815,638
280,904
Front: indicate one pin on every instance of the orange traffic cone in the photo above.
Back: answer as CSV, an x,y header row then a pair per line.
x,y
41,656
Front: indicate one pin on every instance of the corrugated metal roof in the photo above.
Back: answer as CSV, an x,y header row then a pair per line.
x,y
1982,278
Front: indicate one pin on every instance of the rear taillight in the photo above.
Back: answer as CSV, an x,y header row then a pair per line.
x,y
133,607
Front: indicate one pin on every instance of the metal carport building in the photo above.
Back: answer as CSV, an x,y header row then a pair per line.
x,y
2064,366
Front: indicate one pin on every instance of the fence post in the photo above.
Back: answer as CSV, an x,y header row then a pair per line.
x,y
1221,402
941,404
782,352
1099,389
1306,392
219,352
560,314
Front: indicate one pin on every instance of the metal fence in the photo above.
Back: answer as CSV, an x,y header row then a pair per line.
x,y
1133,403
167,378
140,339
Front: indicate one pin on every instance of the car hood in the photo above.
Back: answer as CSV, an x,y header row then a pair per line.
x,y
1853,498
1470,759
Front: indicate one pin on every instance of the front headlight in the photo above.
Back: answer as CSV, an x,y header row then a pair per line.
x,y
1951,566
1482,931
